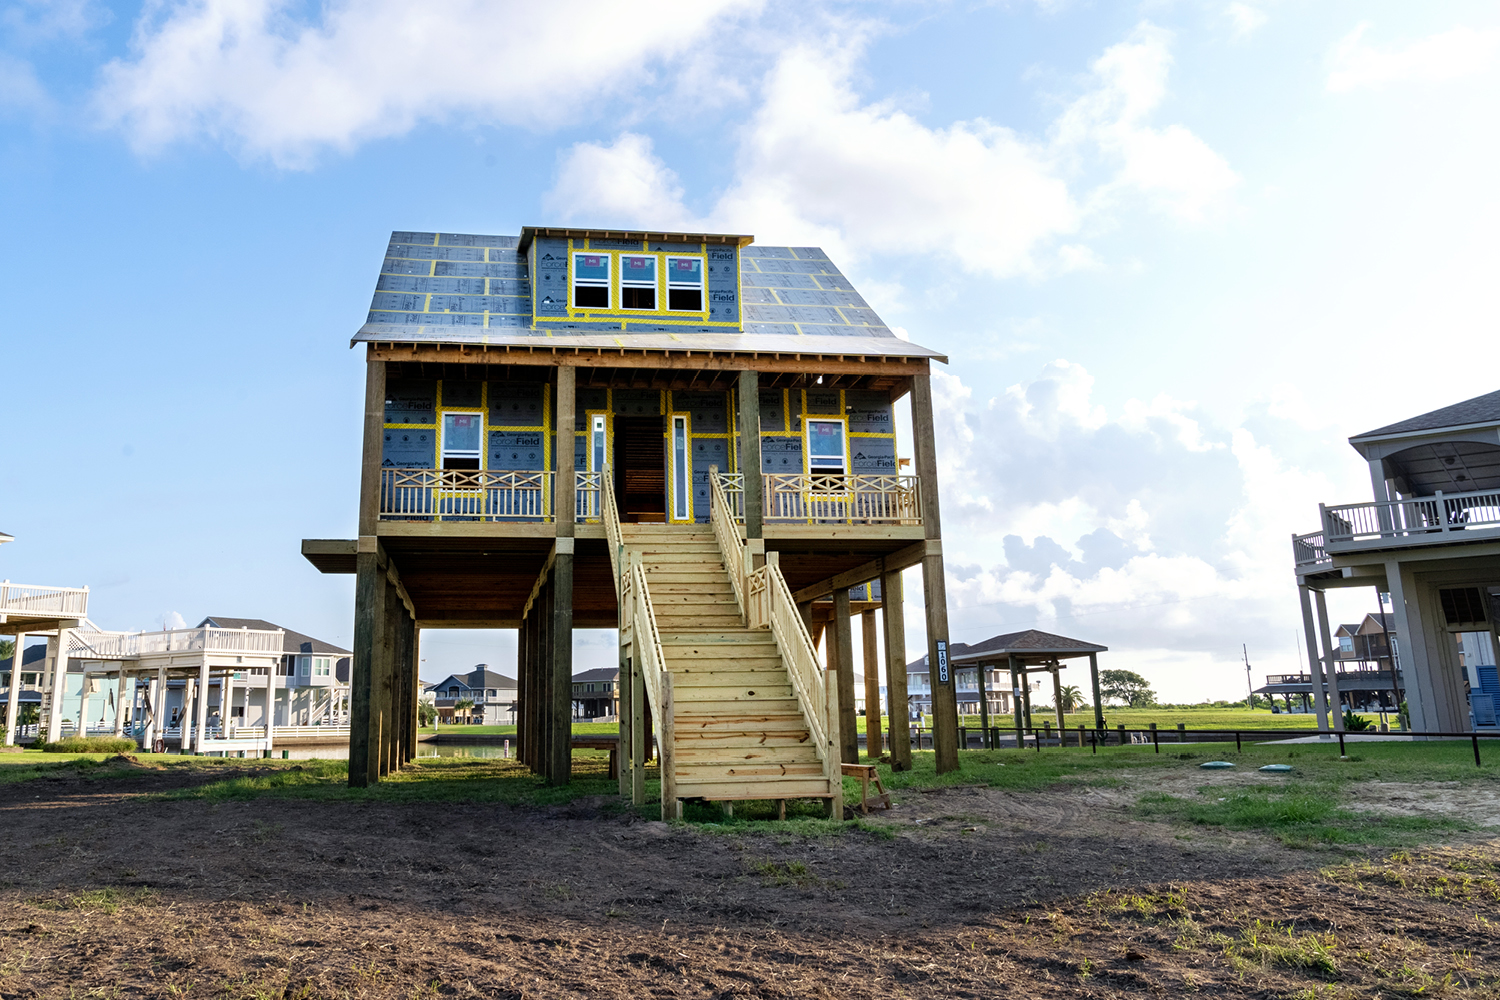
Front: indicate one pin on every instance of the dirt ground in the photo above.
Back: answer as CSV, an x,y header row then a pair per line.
x,y
966,892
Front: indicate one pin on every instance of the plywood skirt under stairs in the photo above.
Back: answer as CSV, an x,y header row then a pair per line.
x,y
738,729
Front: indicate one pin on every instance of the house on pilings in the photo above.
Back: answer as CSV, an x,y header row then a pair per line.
x,y
687,437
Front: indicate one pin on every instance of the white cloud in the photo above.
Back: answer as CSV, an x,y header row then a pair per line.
x,y
20,90
819,165
1448,55
1245,18
257,77
34,21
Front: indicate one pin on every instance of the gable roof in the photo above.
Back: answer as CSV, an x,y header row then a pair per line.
x,y
598,674
792,300
1028,643
1479,410
33,654
292,642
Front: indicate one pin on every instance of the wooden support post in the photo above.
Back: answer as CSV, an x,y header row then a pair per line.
x,y
873,742
749,451
1057,705
983,678
841,657
13,698
1098,700
835,740
414,674
934,584
1314,662
1017,683
200,724
385,675
1331,666
119,701
622,715
560,663
640,716
364,712
892,616
671,806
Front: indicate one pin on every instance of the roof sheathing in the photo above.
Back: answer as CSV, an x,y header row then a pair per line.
x,y
472,290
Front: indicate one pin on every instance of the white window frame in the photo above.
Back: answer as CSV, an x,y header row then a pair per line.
x,y
443,451
598,442
807,425
574,282
700,285
304,667
681,468
322,666
653,284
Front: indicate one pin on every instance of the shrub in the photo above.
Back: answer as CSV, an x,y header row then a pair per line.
x,y
1356,723
91,744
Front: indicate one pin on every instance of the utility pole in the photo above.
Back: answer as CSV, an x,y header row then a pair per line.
x,y
1249,701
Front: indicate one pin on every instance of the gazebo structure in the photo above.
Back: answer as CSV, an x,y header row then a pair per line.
x,y
1028,652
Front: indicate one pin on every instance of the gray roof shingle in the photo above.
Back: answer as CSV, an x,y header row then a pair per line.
x,y
1479,410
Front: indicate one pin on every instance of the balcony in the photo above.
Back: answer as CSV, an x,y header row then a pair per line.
x,y
1440,519
135,645
482,495
20,601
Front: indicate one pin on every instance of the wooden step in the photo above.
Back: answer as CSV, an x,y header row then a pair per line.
x,y
765,723
722,643
726,755
741,771
744,741
689,697
695,598
729,709
765,678
783,788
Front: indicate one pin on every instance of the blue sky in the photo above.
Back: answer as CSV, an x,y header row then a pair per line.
x,y
1177,252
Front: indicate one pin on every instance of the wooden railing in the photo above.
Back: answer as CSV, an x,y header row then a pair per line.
x,y
853,499
731,547
771,606
43,602
465,495
1415,520
588,500
610,515
645,641
133,645
1308,550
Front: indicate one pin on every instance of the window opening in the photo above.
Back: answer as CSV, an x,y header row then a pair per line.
x,y
596,443
321,667
825,447
304,665
461,440
680,510
637,282
591,281
685,284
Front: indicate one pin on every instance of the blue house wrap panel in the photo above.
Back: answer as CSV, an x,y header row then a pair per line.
x,y
516,404
823,403
637,402
869,412
549,278
709,410
409,448
781,454
411,401
458,392
516,451
772,410
872,456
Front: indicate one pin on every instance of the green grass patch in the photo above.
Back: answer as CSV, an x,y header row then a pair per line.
x,y
91,744
579,729
1305,817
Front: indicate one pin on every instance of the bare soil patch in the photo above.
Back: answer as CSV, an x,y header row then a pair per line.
x,y
957,892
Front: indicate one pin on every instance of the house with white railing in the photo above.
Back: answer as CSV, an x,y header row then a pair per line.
x,y
38,610
687,437
1429,543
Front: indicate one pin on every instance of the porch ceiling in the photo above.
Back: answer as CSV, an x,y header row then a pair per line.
x,y
618,376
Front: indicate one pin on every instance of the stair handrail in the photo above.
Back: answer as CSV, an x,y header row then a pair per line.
x,y
646,640
610,514
731,546
772,606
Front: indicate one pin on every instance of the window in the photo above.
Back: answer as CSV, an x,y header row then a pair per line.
x,y
685,284
637,282
321,666
680,509
1346,644
825,447
304,665
591,281
490,692
596,443
461,439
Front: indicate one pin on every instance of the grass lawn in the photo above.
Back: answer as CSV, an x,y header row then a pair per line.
x,y
1304,807
1165,718
579,729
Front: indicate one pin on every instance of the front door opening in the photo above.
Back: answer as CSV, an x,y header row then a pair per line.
x,y
640,470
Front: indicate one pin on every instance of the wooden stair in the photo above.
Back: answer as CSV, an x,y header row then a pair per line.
x,y
738,728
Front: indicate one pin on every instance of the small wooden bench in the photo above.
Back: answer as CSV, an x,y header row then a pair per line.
x,y
867,773
610,743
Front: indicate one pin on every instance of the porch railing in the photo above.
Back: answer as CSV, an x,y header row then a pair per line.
x,y
853,499
133,645
1308,549
1416,519
645,640
465,495
43,602
610,515
726,530
587,499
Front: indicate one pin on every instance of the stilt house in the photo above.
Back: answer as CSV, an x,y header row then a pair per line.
x,y
687,437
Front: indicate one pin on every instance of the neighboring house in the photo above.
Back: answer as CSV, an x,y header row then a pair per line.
x,y
596,694
312,682
1430,539
493,696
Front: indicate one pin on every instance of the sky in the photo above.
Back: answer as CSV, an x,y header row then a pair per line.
x,y
1176,252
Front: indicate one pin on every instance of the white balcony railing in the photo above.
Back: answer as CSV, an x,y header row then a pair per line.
x,y
1308,549
482,495
32,601
134,645
1415,521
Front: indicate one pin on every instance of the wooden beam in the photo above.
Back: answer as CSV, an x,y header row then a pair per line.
x,y
701,360
749,449
869,627
872,570
841,658
934,583
893,615
373,447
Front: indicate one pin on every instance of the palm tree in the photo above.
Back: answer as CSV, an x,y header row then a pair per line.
x,y
1071,698
462,705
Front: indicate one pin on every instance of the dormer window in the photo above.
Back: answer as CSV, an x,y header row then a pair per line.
x,y
637,282
591,281
685,284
